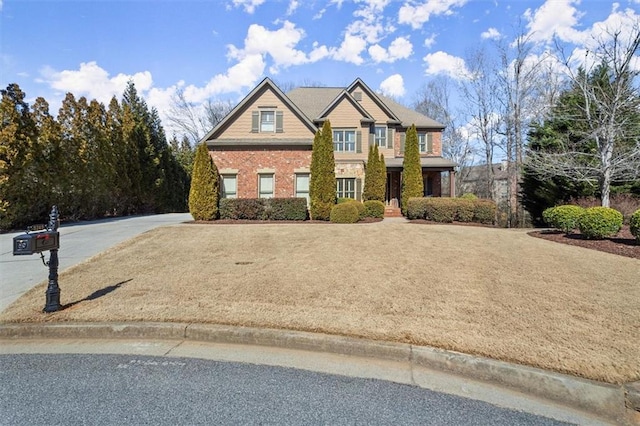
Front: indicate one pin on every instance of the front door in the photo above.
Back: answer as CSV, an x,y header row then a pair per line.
x,y
392,196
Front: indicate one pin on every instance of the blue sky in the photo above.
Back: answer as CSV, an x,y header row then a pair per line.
x,y
219,50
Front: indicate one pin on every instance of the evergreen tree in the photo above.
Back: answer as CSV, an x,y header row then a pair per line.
x,y
376,176
322,185
17,173
412,183
204,192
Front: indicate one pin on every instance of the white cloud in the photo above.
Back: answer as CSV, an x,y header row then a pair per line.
x,y
443,63
416,16
400,48
350,50
293,5
554,18
429,41
279,44
393,86
94,82
491,33
249,5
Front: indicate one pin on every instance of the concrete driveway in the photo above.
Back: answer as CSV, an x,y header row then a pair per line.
x,y
78,242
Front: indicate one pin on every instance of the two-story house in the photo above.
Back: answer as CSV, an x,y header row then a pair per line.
x,y
262,148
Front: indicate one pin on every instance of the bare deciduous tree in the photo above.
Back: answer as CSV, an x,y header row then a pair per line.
x,y
609,116
433,100
196,120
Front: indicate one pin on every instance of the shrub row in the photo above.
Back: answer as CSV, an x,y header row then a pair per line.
x,y
443,209
264,208
340,213
593,222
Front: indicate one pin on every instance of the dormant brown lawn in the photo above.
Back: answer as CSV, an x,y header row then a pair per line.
x,y
493,292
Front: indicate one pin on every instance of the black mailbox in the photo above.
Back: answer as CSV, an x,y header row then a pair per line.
x,y
36,242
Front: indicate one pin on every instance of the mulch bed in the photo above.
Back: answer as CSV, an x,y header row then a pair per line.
x,y
623,244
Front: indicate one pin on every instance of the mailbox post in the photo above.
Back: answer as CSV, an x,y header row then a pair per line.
x,y
53,290
37,242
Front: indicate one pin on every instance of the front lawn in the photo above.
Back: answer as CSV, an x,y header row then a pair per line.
x,y
492,292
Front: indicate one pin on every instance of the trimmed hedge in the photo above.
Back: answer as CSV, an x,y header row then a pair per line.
x,y
465,209
634,223
263,208
484,211
374,208
444,209
564,218
344,213
600,222
469,196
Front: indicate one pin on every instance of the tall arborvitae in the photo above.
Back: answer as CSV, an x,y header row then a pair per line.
x,y
412,184
50,158
376,176
204,192
322,185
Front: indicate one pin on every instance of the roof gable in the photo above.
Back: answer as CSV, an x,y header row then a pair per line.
x,y
358,83
344,96
265,85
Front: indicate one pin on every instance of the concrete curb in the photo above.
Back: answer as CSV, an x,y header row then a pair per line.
x,y
616,403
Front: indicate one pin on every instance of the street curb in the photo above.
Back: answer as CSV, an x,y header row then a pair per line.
x,y
619,403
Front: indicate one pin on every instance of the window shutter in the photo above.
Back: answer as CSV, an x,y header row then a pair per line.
x,y
402,139
359,142
429,143
372,139
279,120
359,189
390,138
255,117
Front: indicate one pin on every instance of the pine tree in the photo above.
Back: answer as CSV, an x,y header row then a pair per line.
x,y
18,177
204,192
322,185
412,184
49,158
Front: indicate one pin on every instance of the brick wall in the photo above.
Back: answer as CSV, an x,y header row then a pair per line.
x,y
250,160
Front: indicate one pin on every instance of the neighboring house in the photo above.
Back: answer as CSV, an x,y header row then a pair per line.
x,y
262,148
475,182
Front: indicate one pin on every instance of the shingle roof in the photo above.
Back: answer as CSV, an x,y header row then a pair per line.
x,y
313,100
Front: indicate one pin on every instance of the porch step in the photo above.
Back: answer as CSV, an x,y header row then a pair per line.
x,y
392,212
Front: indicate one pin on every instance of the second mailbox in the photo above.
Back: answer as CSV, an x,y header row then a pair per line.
x,y
36,242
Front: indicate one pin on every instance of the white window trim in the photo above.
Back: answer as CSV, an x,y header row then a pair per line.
x,y
426,143
381,142
295,183
273,185
229,175
343,195
260,122
344,142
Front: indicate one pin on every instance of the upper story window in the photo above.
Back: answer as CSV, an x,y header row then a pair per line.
x,y
344,140
380,136
267,121
425,142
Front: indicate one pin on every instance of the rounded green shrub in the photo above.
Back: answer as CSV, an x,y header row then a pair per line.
x,y
600,222
468,196
417,208
359,206
564,218
374,208
344,213
344,200
634,223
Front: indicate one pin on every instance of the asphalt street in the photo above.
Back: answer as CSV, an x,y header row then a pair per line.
x,y
78,242
40,389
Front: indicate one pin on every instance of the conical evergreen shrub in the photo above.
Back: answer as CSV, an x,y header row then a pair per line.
x,y
204,192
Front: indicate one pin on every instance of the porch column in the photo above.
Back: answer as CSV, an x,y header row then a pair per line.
x,y
452,183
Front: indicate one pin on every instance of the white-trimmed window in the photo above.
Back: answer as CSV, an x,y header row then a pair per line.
x,y
265,185
344,140
229,186
425,142
346,188
302,186
380,135
267,121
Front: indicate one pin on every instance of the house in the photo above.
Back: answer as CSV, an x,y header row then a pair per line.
x,y
474,181
262,148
